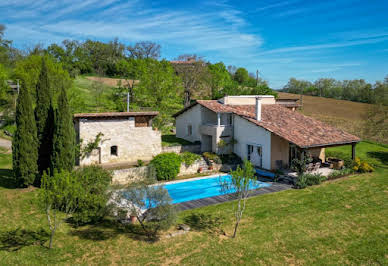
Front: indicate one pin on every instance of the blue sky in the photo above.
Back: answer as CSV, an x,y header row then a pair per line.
x,y
342,39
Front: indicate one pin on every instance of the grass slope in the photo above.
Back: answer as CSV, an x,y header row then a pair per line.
x,y
84,97
346,115
338,222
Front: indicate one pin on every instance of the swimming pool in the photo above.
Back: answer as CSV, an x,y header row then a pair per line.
x,y
187,190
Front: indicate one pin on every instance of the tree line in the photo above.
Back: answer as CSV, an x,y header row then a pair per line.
x,y
357,90
163,86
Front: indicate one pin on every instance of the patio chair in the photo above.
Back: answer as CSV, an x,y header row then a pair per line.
x,y
310,167
317,166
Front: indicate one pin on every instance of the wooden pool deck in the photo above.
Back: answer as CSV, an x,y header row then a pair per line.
x,y
192,204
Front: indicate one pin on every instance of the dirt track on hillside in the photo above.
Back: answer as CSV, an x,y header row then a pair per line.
x,y
111,82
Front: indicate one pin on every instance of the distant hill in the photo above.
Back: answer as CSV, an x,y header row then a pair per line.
x,y
346,115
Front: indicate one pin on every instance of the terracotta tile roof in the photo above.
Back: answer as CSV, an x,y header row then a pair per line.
x,y
299,129
114,114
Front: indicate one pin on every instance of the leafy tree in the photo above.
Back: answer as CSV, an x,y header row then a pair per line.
x,y
3,85
59,192
242,179
144,50
194,76
151,205
241,75
160,89
28,70
63,154
44,116
297,86
25,142
4,46
220,78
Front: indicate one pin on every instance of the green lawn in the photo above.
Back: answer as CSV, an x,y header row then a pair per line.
x,y
84,98
338,222
172,140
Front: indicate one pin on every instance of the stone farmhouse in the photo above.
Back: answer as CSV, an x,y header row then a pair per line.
x,y
267,132
126,136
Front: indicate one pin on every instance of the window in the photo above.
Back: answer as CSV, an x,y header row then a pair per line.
x,y
189,130
113,151
259,155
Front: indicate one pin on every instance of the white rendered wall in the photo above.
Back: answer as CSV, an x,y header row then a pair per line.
x,y
246,133
191,117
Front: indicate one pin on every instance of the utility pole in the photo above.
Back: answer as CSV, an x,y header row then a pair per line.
x,y
128,101
257,77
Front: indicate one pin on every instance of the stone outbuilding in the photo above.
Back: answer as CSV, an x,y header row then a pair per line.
x,y
125,136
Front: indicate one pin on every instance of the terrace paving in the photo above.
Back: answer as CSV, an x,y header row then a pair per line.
x,y
192,204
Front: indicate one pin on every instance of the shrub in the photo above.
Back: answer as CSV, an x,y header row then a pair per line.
x,y
140,163
92,202
306,180
188,158
230,159
209,156
300,166
362,166
339,173
151,205
166,165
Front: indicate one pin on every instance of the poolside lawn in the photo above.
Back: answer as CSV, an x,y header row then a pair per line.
x,y
338,222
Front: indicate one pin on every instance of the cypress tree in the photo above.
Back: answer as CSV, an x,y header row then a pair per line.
x,y
44,116
25,142
63,156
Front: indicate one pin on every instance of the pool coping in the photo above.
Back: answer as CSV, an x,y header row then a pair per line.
x,y
193,204
187,180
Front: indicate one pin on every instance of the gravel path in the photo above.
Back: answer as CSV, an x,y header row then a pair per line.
x,y
5,143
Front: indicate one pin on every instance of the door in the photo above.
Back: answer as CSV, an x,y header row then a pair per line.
x,y
255,155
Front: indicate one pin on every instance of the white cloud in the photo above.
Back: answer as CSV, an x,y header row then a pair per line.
x,y
131,21
324,46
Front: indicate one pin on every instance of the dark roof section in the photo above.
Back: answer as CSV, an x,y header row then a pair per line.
x,y
115,114
295,127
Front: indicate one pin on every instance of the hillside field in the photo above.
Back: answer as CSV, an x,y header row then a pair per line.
x,y
346,115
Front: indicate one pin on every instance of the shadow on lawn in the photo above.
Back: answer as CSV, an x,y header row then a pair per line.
x,y
16,239
108,229
6,179
381,156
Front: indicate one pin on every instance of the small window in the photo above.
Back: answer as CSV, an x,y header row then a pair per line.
x,y
189,130
113,151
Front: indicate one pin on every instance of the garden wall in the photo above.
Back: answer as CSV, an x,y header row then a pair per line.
x,y
182,148
128,175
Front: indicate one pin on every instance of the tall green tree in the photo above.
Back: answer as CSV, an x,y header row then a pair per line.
x,y
63,154
44,116
25,143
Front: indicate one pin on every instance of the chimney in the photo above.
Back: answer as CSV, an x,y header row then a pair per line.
x,y
258,108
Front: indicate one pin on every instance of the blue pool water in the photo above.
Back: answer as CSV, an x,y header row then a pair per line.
x,y
202,188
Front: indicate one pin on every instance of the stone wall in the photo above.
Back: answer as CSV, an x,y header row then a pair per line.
x,y
126,176
183,148
192,169
133,143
